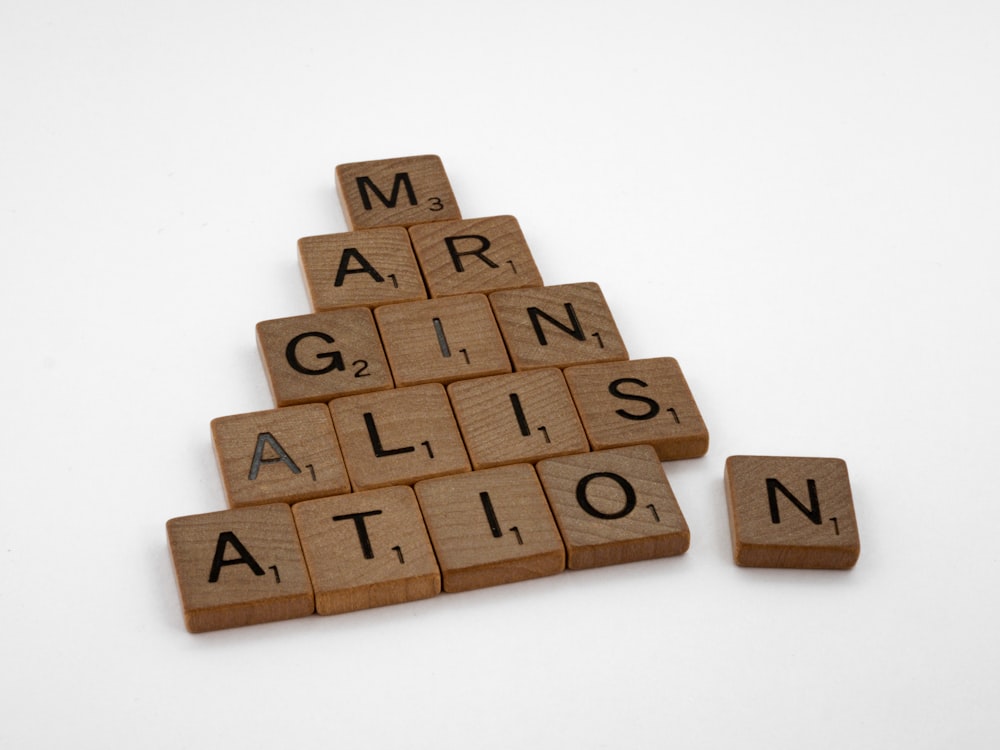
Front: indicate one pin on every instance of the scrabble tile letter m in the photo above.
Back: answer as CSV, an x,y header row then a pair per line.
x,y
395,192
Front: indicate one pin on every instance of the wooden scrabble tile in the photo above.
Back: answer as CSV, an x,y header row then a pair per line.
x,y
279,455
557,326
613,507
640,401
474,255
791,512
310,358
239,567
395,192
517,418
490,527
367,550
399,436
360,269
441,340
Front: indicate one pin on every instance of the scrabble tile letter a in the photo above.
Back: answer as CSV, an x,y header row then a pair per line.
x,y
395,192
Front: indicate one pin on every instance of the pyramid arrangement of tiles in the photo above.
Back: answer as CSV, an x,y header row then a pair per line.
x,y
445,421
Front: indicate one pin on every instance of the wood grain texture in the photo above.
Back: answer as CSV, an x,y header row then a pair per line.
x,y
442,340
360,269
315,358
613,507
239,567
517,418
641,401
398,436
474,255
490,527
395,192
367,549
557,326
279,455
791,512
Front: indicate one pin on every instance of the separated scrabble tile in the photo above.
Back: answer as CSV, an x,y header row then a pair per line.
x,y
515,418
789,512
239,567
640,401
398,436
367,549
557,326
614,507
395,192
474,255
279,455
360,269
311,358
490,527
441,340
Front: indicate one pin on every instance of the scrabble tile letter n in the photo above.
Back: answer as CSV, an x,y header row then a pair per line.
x,y
791,512
396,192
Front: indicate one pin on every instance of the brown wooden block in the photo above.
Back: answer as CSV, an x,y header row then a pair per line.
x,y
640,401
360,269
557,326
239,567
791,512
490,527
474,255
614,507
279,455
395,192
517,418
399,436
441,340
367,550
310,358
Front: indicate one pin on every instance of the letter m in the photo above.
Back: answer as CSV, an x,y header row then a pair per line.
x,y
402,179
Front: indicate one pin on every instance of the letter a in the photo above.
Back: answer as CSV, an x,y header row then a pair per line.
x,y
351,253
266,438
245,558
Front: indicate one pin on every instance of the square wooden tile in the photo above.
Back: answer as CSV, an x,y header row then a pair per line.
x,y
395,192
640,401
360,269
614,507
239,567
557,326
517,418
399,436
787,512
279,455
474,255
313,358
441,340
367,550
490,527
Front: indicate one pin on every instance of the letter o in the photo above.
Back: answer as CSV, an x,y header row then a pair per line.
x,y
628,489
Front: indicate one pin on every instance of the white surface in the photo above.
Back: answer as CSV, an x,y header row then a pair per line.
x,y
797,200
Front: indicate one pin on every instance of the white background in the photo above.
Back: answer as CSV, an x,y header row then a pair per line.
x,y
797,200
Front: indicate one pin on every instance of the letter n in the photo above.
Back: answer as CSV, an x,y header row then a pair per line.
x,y
812,512
574,328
